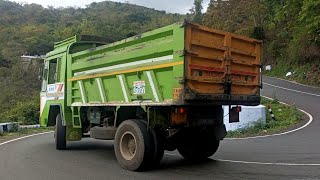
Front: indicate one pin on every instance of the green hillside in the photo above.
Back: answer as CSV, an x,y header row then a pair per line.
x,y
289,29
32,29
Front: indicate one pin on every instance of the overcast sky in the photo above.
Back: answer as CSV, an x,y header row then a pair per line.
x,y
173,6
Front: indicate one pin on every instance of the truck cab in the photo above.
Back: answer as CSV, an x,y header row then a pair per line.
x,y
53,88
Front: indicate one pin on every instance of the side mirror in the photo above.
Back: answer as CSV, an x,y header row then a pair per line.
x,y
40,73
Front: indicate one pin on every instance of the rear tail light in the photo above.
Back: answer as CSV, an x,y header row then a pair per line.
x,y
179,116
182,111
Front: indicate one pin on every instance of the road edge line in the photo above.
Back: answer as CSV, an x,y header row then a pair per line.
x,y
293,82
266,163
279,134
293,90
253,162
24,137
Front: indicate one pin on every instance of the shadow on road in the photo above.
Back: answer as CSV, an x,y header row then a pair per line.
x,y
104,151
174,163
90,147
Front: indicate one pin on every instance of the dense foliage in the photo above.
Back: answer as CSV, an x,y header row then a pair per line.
x,y
30,29
196,11
290,30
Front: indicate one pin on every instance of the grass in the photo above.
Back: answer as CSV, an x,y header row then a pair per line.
x,y
23,132
286,117
304,74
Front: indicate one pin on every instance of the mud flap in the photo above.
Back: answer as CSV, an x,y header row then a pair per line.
x,y
73,134
234,116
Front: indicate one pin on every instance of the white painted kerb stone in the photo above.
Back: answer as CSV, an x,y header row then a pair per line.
x,y
248,116
9,127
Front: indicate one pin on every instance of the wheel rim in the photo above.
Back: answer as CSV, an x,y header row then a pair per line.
x,y
128,145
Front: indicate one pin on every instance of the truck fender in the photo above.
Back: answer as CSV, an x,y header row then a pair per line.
x,y
54,110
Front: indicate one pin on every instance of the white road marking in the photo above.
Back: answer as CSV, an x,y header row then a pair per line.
x,y
264,163
154,91
24,137
296,83
318,95
253,162
171,154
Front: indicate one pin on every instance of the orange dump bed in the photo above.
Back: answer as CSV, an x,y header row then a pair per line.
x,y
221,66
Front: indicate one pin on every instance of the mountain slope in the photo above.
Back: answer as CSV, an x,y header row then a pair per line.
x,y
30,29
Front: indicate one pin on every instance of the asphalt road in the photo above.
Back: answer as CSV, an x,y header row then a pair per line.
x,y
291,156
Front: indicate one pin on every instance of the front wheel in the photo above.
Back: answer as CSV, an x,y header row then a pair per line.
x,y
60,134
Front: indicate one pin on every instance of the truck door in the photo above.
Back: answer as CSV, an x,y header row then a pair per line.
x,y
51,89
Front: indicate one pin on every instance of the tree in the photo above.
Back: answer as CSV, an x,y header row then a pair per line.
x,y
196,11
310,18
245,17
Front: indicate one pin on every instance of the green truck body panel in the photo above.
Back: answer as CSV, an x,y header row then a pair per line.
x,y
143,69
150,69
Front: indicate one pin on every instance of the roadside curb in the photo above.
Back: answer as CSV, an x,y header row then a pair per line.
x,y
278,134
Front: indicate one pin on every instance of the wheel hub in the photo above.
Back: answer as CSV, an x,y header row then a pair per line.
x,y
128,145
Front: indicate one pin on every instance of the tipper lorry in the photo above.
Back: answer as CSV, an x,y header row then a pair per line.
x,y
161,90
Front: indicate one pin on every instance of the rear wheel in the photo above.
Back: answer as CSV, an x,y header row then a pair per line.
x,y
157,147
197,144
133,145
60,134
158,150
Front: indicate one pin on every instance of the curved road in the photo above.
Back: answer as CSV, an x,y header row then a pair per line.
x,y
291,156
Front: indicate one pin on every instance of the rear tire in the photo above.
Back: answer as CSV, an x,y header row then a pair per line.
x,y
158,150
197,144
60,134
133,145
196,152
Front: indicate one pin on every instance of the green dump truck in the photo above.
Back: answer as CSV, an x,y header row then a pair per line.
x,y
161,90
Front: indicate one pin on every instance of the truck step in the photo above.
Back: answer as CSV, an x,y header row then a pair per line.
x,y
76,119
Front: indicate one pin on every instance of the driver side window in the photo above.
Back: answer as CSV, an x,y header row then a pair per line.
x,y
45,76
49,73
52,71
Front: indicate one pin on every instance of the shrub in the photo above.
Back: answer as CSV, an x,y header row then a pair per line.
x,y
26,112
